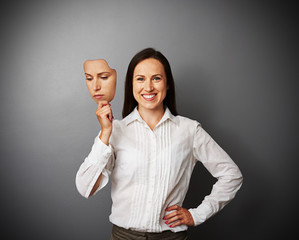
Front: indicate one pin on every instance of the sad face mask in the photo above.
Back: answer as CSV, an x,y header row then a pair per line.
x,y
100,80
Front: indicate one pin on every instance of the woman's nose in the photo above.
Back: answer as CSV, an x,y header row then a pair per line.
x,y
96,85
148,86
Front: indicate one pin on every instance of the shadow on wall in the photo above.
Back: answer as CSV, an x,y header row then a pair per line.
x,y
245,215
241,218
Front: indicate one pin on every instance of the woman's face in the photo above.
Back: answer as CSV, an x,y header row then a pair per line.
x,y
100,80
149,84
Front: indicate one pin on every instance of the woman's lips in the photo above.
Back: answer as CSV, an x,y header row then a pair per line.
x,y
98,96
149,97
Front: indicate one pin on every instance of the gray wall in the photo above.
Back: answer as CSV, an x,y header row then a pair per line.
x,y
234,66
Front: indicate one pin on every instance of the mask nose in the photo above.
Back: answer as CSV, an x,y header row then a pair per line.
x,y
96,85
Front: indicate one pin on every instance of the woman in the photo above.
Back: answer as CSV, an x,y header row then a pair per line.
x,y
152,152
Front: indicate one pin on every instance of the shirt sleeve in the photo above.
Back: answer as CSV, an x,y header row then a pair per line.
x,y
222,167
99,161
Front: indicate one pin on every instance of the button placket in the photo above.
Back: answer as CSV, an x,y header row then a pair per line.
x,y
153,161
152,172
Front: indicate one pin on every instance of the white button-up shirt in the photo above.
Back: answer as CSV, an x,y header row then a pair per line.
x,y
151,170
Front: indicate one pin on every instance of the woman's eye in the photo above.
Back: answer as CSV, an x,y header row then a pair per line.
x,y
104,77
139,79
157,78
88,79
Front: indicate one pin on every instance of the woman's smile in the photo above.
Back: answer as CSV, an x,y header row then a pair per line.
x,y
149,97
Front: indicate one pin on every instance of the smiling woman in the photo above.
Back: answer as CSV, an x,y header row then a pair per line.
x,y
157,64
150,87
152,153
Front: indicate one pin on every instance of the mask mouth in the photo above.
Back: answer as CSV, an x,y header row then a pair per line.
x,y
98,96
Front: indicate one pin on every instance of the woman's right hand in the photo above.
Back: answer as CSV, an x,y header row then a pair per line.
x,y
105,116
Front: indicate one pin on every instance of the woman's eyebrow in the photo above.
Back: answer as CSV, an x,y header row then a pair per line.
x,y
139,75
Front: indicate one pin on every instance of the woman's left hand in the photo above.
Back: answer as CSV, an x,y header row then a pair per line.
x,y
179,216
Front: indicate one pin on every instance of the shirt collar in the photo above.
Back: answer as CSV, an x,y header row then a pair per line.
x,y
135,116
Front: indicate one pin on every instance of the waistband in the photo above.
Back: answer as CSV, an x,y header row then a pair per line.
x,y
119,233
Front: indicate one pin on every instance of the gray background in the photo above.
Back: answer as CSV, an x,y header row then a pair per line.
x,y
234,67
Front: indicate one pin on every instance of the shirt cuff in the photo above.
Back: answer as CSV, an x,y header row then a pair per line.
x,y
100,151
201,213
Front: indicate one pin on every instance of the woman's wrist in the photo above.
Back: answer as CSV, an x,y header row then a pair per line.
x,y
105,135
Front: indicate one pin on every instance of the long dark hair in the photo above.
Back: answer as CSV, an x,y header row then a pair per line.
x,y
130,103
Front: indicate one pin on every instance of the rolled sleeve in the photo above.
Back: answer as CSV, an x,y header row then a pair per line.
x,y
99,161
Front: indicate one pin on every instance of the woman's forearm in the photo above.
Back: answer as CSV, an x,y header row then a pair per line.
x,y
96,185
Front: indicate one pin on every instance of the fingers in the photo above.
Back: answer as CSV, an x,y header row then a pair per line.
x,y
173,207
173,219
110,116
104,111
102,103
105,116
171,215
179,216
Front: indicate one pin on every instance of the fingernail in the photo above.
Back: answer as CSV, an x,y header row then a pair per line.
x,y
166,222
166,209
170,226
164,218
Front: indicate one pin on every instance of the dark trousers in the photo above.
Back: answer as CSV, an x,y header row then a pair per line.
x,y
119,233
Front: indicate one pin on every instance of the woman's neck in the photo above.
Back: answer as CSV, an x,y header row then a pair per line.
x,y
151,116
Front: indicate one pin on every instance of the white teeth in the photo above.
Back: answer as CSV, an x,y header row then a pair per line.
x,y
148,96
